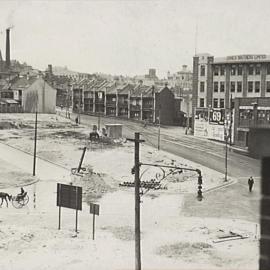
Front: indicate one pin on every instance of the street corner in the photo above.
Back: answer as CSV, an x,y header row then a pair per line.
x,y
222,184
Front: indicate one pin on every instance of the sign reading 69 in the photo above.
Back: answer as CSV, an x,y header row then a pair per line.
x,y
217,116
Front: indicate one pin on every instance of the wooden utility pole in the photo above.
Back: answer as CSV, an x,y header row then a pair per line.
x,y
137,201
231,120
187,113
79,117
159,116
81,160
226,155
35,146
98,114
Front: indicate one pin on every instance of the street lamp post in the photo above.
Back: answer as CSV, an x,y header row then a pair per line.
x,y
226,155
99,103
67,100
186,98
35,146
159,113
139,190
98,115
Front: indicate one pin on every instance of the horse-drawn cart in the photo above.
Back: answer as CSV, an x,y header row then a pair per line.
x,y
20,200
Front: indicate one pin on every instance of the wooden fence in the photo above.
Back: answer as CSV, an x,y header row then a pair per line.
x,y
11,109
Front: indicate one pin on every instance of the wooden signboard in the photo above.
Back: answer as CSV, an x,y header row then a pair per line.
x,y
94,209
69,196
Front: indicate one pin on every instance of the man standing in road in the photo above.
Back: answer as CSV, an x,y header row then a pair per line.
x,y
250,183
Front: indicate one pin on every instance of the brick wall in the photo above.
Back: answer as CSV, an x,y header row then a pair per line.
x,y
227,86
209,84
259,142
262,102
263,80
265,216
165,101
245,84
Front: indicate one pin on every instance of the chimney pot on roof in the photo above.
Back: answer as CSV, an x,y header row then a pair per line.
x,y
184,67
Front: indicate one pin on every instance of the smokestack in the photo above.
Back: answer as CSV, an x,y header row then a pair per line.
x,y
50,71
7,49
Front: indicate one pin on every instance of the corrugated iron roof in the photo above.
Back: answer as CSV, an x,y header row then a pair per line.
x,y
23,82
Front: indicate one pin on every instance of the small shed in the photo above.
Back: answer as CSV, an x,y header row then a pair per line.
x,y
114,130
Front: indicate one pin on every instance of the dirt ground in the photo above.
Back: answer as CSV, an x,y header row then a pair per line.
x,y
171,239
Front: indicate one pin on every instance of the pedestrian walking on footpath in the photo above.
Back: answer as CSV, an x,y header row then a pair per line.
x,y
250,183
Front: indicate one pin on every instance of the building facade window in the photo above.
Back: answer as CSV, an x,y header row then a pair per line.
x,y
268,86
202,102
222,71
239,87
221,103
215,103
233,70
239,70
257,87
216,71
245,114
257,70
232,104
201,86
222,86
268,69
250,70
202,70
215,86
232,86
250,87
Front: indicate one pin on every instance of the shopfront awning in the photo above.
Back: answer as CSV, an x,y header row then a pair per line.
x,y
11,101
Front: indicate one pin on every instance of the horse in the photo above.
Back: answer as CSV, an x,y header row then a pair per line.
x,y
6,197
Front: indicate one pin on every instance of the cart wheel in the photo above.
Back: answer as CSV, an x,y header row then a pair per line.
x,y
16,203
25,200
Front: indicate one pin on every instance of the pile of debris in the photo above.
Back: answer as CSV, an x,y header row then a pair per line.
x,y
230,236
152,184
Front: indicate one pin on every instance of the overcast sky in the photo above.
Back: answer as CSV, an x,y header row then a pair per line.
x,y
128,37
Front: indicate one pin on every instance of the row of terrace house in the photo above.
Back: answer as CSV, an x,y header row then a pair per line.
x,y
138,102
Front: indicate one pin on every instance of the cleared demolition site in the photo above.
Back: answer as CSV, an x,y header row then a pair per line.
x,y
172,228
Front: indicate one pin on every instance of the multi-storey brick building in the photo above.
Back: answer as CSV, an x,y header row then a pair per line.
x,y
219,81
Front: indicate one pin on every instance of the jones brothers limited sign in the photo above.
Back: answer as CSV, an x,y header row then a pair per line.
x,y
248,57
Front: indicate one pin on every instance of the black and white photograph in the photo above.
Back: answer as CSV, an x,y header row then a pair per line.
x,y
134,135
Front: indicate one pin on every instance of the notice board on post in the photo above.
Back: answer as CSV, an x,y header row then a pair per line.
x,y
69,196
94,209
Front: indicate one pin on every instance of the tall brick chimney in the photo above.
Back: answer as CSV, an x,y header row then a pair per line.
x,y
7,49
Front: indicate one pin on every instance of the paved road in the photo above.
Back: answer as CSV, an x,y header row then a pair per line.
x,y
205,152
